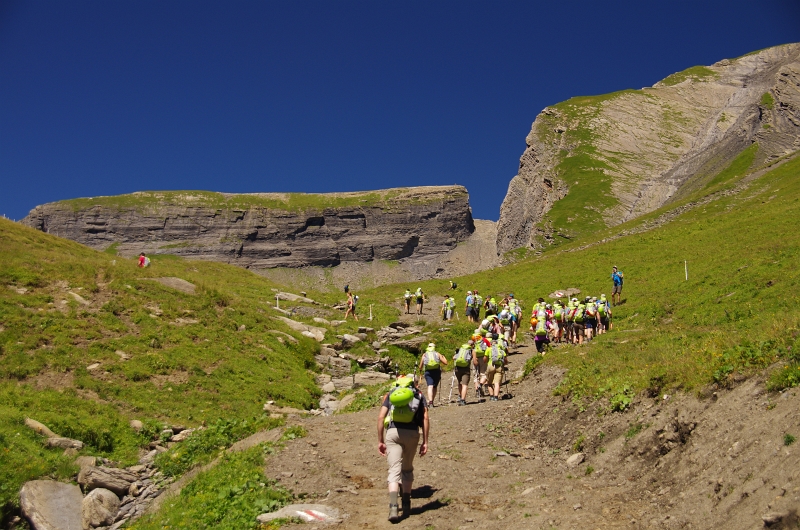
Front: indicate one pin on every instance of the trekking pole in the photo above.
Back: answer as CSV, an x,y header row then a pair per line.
x,y
452,382
370,311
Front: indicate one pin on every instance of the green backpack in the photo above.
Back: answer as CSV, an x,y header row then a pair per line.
x,y
496,355
431,360
405,401
463,357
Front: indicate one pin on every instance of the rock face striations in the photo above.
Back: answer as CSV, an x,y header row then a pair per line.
x,y
266,230
593,162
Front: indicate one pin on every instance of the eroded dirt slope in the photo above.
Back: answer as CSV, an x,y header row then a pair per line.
x,y
717,462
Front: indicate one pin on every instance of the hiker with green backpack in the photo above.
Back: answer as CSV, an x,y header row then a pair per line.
x,y
431,364
403,413
462,362
497,359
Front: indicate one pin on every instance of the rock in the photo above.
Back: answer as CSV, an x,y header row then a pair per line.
x,y
413,345
362,329
314,332
501,453
40,428
289,297
283,335
327,350
369,378
64,443
348,341
322,378
78,298
349,398
178,284
342,383
336,323
181,436
329,387
99,508
658,158
376,345
93,366
261,231
136,425
122,355
116,480
86,461
51,505
268,407
575,459
242,328
320,320
308,513
773,518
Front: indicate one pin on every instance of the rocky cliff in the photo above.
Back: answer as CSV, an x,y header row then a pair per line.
x,y
265,230
594,162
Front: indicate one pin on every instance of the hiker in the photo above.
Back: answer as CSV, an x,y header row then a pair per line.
x,y
616,277
479,362
590,317
578,319
462,362
496,359
453,285
420,298
407,298
351,306
477,302
432,362
144,261
491,306
468,307
604,314
403,412
447,308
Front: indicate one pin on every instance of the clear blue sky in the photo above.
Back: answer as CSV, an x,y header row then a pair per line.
x,y
108,97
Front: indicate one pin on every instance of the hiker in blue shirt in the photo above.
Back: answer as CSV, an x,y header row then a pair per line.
x,y
616,276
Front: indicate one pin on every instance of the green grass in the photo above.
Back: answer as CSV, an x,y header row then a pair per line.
x,y
228,497
767,101
736,313
189,363
695,73
279,201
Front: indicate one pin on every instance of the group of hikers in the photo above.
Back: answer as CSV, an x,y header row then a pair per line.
x,y
404,410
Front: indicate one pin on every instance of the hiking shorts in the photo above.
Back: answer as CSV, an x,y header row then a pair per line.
x,y
604,321
432,377
577,328
482,365
617,289
494,374
401,447
462,374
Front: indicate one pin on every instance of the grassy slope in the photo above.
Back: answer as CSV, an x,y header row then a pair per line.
x,y
736,313
284,201
179,374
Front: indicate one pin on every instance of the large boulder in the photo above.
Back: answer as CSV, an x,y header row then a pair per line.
x,y
99,508
369,378
40,428
51,505
64,443
314,332
116,480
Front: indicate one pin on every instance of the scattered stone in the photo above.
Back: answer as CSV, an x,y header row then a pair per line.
x,y
269,407
178,284
322,379
350,340
122,355
116,480
99,508
773,518
287,474
308,513
93,366
376,345
51,505
576,506
181,436
40,428
136,425
528,491
369,378
349,398
329,387
500,453
78,298
323,321
289,297
575,459
64,443
86,461
362,329
314,332
242,328
336,323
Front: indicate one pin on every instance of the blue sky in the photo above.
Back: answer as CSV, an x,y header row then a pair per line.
x,y
108,97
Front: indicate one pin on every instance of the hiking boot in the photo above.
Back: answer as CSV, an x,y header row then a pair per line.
x,y
493,398
461,402
406,505
393,515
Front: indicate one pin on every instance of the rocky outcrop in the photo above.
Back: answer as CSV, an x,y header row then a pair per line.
x,y
51,505
265,230
593,162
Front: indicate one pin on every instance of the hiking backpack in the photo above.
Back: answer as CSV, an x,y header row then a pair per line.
x,y
431,360
497,355
404,410
463,357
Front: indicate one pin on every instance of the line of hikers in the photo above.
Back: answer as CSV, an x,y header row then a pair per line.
x,y
574,322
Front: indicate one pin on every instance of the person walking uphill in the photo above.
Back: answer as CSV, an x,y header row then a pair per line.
x,y
402,414
432,361
420,299
616,277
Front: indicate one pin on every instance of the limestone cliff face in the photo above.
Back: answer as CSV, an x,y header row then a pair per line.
x,y
593,162
267,230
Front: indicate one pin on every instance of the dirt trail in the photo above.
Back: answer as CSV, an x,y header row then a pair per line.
x,y
711,463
